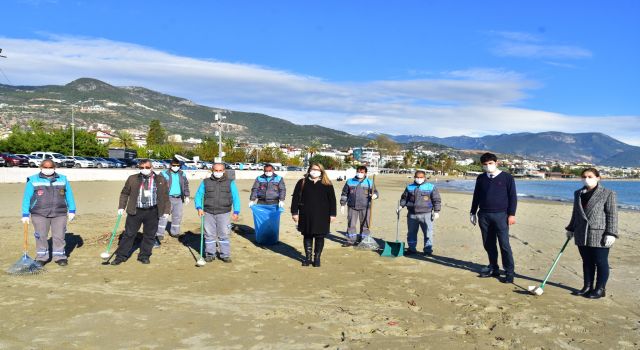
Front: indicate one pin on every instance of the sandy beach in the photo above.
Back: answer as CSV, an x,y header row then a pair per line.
x,y
264,299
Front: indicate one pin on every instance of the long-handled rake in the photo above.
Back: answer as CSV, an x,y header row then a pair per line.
x,y
201,261
538,290
106,255
26,265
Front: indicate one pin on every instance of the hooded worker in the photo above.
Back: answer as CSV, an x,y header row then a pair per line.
x,y
48,199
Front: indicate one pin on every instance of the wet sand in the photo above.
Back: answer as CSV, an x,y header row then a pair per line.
x,y
264,299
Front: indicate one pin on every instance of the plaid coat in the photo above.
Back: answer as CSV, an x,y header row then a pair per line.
x,y
599,218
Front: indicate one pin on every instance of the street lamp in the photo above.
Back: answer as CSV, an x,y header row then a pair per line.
x,y
219,118
73,123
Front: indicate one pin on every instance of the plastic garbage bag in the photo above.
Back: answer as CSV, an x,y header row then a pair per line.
x,y
266,219
368,243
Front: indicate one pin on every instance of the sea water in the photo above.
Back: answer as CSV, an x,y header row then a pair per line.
x,y
628,192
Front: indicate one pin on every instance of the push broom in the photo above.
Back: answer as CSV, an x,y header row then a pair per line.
x,y
538,290
106,255
26,265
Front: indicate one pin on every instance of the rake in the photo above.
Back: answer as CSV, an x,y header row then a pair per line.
x,y
26,265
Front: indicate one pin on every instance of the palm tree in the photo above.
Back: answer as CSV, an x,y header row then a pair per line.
x,y
122,139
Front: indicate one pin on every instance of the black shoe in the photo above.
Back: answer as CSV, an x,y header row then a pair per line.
x,y
62,262
117,261
489,273
144,260
428,253
411,252
177,235
209,258
596,293
316,260
507,279
227,259
586,289
156,243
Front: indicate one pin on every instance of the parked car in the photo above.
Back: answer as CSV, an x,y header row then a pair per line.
x,y
14,160
99,162
157,164
129,162
81,162
3,162
295,168
58,158
118,163
34,161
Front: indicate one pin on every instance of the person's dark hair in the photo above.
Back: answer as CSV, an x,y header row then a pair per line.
x,y
175,162
268,166
590,170
419,172
487,157
53,164
144,161
362,167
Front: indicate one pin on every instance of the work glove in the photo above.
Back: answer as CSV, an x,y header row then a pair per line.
x,y
569,234
281,204
435,216
25,220
398,210
374,196
71,216
342,209
609,240
120,211
165,216
187,200
252,203
474,219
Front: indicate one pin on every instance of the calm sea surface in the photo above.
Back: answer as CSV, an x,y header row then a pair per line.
x,y
628,191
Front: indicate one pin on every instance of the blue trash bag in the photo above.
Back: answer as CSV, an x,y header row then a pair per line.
x,y
266,219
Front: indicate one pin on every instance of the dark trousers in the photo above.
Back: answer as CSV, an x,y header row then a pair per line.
x,y
495,226
148,218
595,259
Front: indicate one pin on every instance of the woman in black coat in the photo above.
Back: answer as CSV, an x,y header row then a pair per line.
x,y
594,226
313,207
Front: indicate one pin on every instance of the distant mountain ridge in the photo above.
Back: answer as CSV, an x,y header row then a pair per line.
x,y
594,147
135,107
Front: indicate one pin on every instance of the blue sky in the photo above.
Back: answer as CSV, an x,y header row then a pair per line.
x,y
438,68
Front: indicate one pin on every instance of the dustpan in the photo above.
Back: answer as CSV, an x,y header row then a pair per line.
x,y
394,249
26,265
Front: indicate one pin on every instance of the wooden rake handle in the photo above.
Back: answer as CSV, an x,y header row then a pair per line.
x,y
25,244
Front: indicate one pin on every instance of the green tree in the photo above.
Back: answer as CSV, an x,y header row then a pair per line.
x,y
329,163
156,135
122,139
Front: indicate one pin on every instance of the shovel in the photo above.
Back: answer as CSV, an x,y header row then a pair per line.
x,y
538,290
394,249
26,265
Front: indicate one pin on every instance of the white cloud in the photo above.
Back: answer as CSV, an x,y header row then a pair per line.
x,y
476,101
526,45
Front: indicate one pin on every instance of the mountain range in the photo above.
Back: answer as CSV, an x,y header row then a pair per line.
x,y
594,147
134,108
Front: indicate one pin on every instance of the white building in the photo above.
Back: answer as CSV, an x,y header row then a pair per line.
x,y
103,137
175,138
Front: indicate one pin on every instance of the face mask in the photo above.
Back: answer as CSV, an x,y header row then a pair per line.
x,y
268,173
175,168
590,182
218,174
48,171
491,168
419,180
315,174
360,175
145,172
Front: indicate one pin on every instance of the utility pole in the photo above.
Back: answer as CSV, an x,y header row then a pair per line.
x,y
73,133
219,118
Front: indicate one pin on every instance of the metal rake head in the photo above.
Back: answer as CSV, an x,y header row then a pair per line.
x,y
25,266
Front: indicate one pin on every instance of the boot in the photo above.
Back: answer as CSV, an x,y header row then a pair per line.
x,y
586,289
597,293
308,250
318,251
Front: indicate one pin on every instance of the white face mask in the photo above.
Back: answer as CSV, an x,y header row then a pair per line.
x,y
315,174
175,168
360,175
268,173
145,172
590,182
47,171
419,180
218,174
490,168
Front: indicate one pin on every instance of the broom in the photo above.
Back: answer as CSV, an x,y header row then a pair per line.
x,y
26,265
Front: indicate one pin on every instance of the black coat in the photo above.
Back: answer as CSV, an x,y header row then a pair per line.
x,y
315,204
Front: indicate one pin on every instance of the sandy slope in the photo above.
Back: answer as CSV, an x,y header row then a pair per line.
x,y
356,300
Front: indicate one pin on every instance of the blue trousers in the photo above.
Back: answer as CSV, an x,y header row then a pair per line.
x,y
422,221
495,227
595,259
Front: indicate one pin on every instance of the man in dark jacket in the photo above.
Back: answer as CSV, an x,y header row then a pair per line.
x,y
496,197
146,198
178,187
